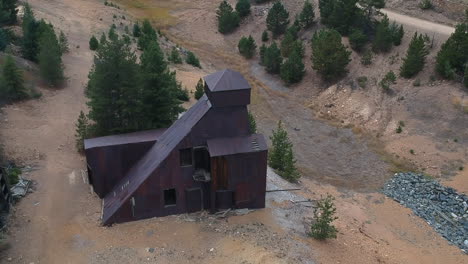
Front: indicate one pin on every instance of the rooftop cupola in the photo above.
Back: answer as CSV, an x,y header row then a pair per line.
x,y
227,88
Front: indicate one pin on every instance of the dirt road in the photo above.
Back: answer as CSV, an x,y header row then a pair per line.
x,y
422,26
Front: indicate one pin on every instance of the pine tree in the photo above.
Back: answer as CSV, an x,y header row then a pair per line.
x,y
136,30
371,7
465,77
265,36
287,44
160,105
252,123
280,155
452,57
112,34
63,41
307,15
228,19
326,9
148,35
344,15
329,56
174,56
113,89
192,60
272,59
293,70
247,47
93,43
243,7
397,33
383,36
357,39
199,89
8,12
81,131
415,57
30,45
103,39
324,215
277,19
50,57
12,82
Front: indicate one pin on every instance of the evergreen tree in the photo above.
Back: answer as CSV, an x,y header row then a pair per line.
x,y
174,56
113,90
199,89
357,39
265,36
81,131
281,156
465,77
63,41
326,9
252,123
272,59
112,34
371,7
453,54
329,56
307,15
103,39
277,19
324,215
148,35
243,7
383,36
415,57
8,12
12,82
192,60
299,48
50,57
93,43
136,30
247,47
160,105
293,70
397,33
29,47
344,15
228,19
287,44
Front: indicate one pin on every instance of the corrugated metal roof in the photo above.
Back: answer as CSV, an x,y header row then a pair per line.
x,y
235,145
153,158
128,138
226,80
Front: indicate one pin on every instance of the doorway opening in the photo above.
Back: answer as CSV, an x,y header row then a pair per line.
x,y
202,164
170,197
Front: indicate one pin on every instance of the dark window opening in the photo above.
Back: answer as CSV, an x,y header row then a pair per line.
x,y
202,158
185,157
170,197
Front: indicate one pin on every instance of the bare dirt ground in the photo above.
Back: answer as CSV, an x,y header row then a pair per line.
x,y
59,222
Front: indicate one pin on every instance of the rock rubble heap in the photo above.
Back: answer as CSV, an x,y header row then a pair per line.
x,y
441,207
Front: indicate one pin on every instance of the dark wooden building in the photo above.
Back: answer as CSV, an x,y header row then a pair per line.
x,y
207,159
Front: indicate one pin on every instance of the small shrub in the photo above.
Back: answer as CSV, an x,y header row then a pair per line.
x,y
411,151
455,140
199,89
367,58
265,36
174,57
324,215
13,174
417,83
93,43
252,123
247,47
81,129
460,168
401,123
399,130
426,4
183,94
362,81
390,78
193,60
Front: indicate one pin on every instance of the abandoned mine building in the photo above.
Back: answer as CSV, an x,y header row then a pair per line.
x,y
207,160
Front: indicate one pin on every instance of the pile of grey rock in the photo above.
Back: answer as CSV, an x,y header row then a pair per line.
x,y
441,207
